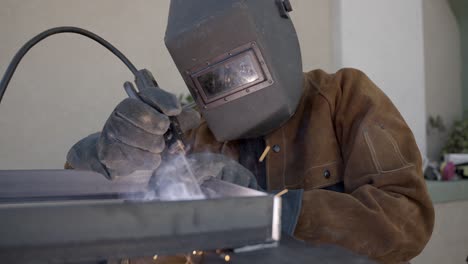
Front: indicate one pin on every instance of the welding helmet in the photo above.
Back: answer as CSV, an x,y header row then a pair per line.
x,y
241,61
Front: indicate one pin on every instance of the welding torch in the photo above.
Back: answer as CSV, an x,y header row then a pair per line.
x,y
143,78
174,135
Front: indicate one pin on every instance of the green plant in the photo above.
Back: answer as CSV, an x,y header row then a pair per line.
x,y
436,123
457,141
185,99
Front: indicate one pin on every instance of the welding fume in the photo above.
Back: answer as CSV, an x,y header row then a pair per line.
x,y
335,142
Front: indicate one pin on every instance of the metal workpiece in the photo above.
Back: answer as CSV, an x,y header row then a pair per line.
x,y
66,184
81,219
63,230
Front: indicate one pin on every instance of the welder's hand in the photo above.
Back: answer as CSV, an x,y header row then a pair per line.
x,y
209,165
132,138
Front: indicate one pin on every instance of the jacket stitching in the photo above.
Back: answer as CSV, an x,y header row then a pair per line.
x,y
389,171
321,92
330,108
395,170
397,149
320,166
335,179
372,151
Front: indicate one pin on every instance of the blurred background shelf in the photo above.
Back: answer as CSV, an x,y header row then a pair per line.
x,y
450,191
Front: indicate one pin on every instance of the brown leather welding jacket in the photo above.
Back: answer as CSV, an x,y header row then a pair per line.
x,y
347,130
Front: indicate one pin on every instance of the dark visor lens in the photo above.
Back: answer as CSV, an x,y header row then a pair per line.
x,y
232,74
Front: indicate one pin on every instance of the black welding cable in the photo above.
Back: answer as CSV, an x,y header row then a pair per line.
x,y
26,47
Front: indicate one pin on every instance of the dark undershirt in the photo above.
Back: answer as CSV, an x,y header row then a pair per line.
x,y
250,151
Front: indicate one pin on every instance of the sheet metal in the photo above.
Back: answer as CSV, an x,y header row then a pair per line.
x,y
28,184
63,230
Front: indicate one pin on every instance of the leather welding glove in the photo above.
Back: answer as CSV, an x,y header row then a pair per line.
x,y
203,167
208,165
132,137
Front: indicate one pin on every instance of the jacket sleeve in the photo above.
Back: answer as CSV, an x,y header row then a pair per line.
x,y
201,139
385,212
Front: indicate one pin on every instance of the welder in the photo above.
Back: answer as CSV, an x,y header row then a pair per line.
x,y
335,141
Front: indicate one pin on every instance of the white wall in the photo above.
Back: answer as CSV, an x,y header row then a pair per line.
x,y
449,242
385,40
312,21
67,86
443,70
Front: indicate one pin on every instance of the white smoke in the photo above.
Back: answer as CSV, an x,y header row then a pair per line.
x,y
181,178
175,180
